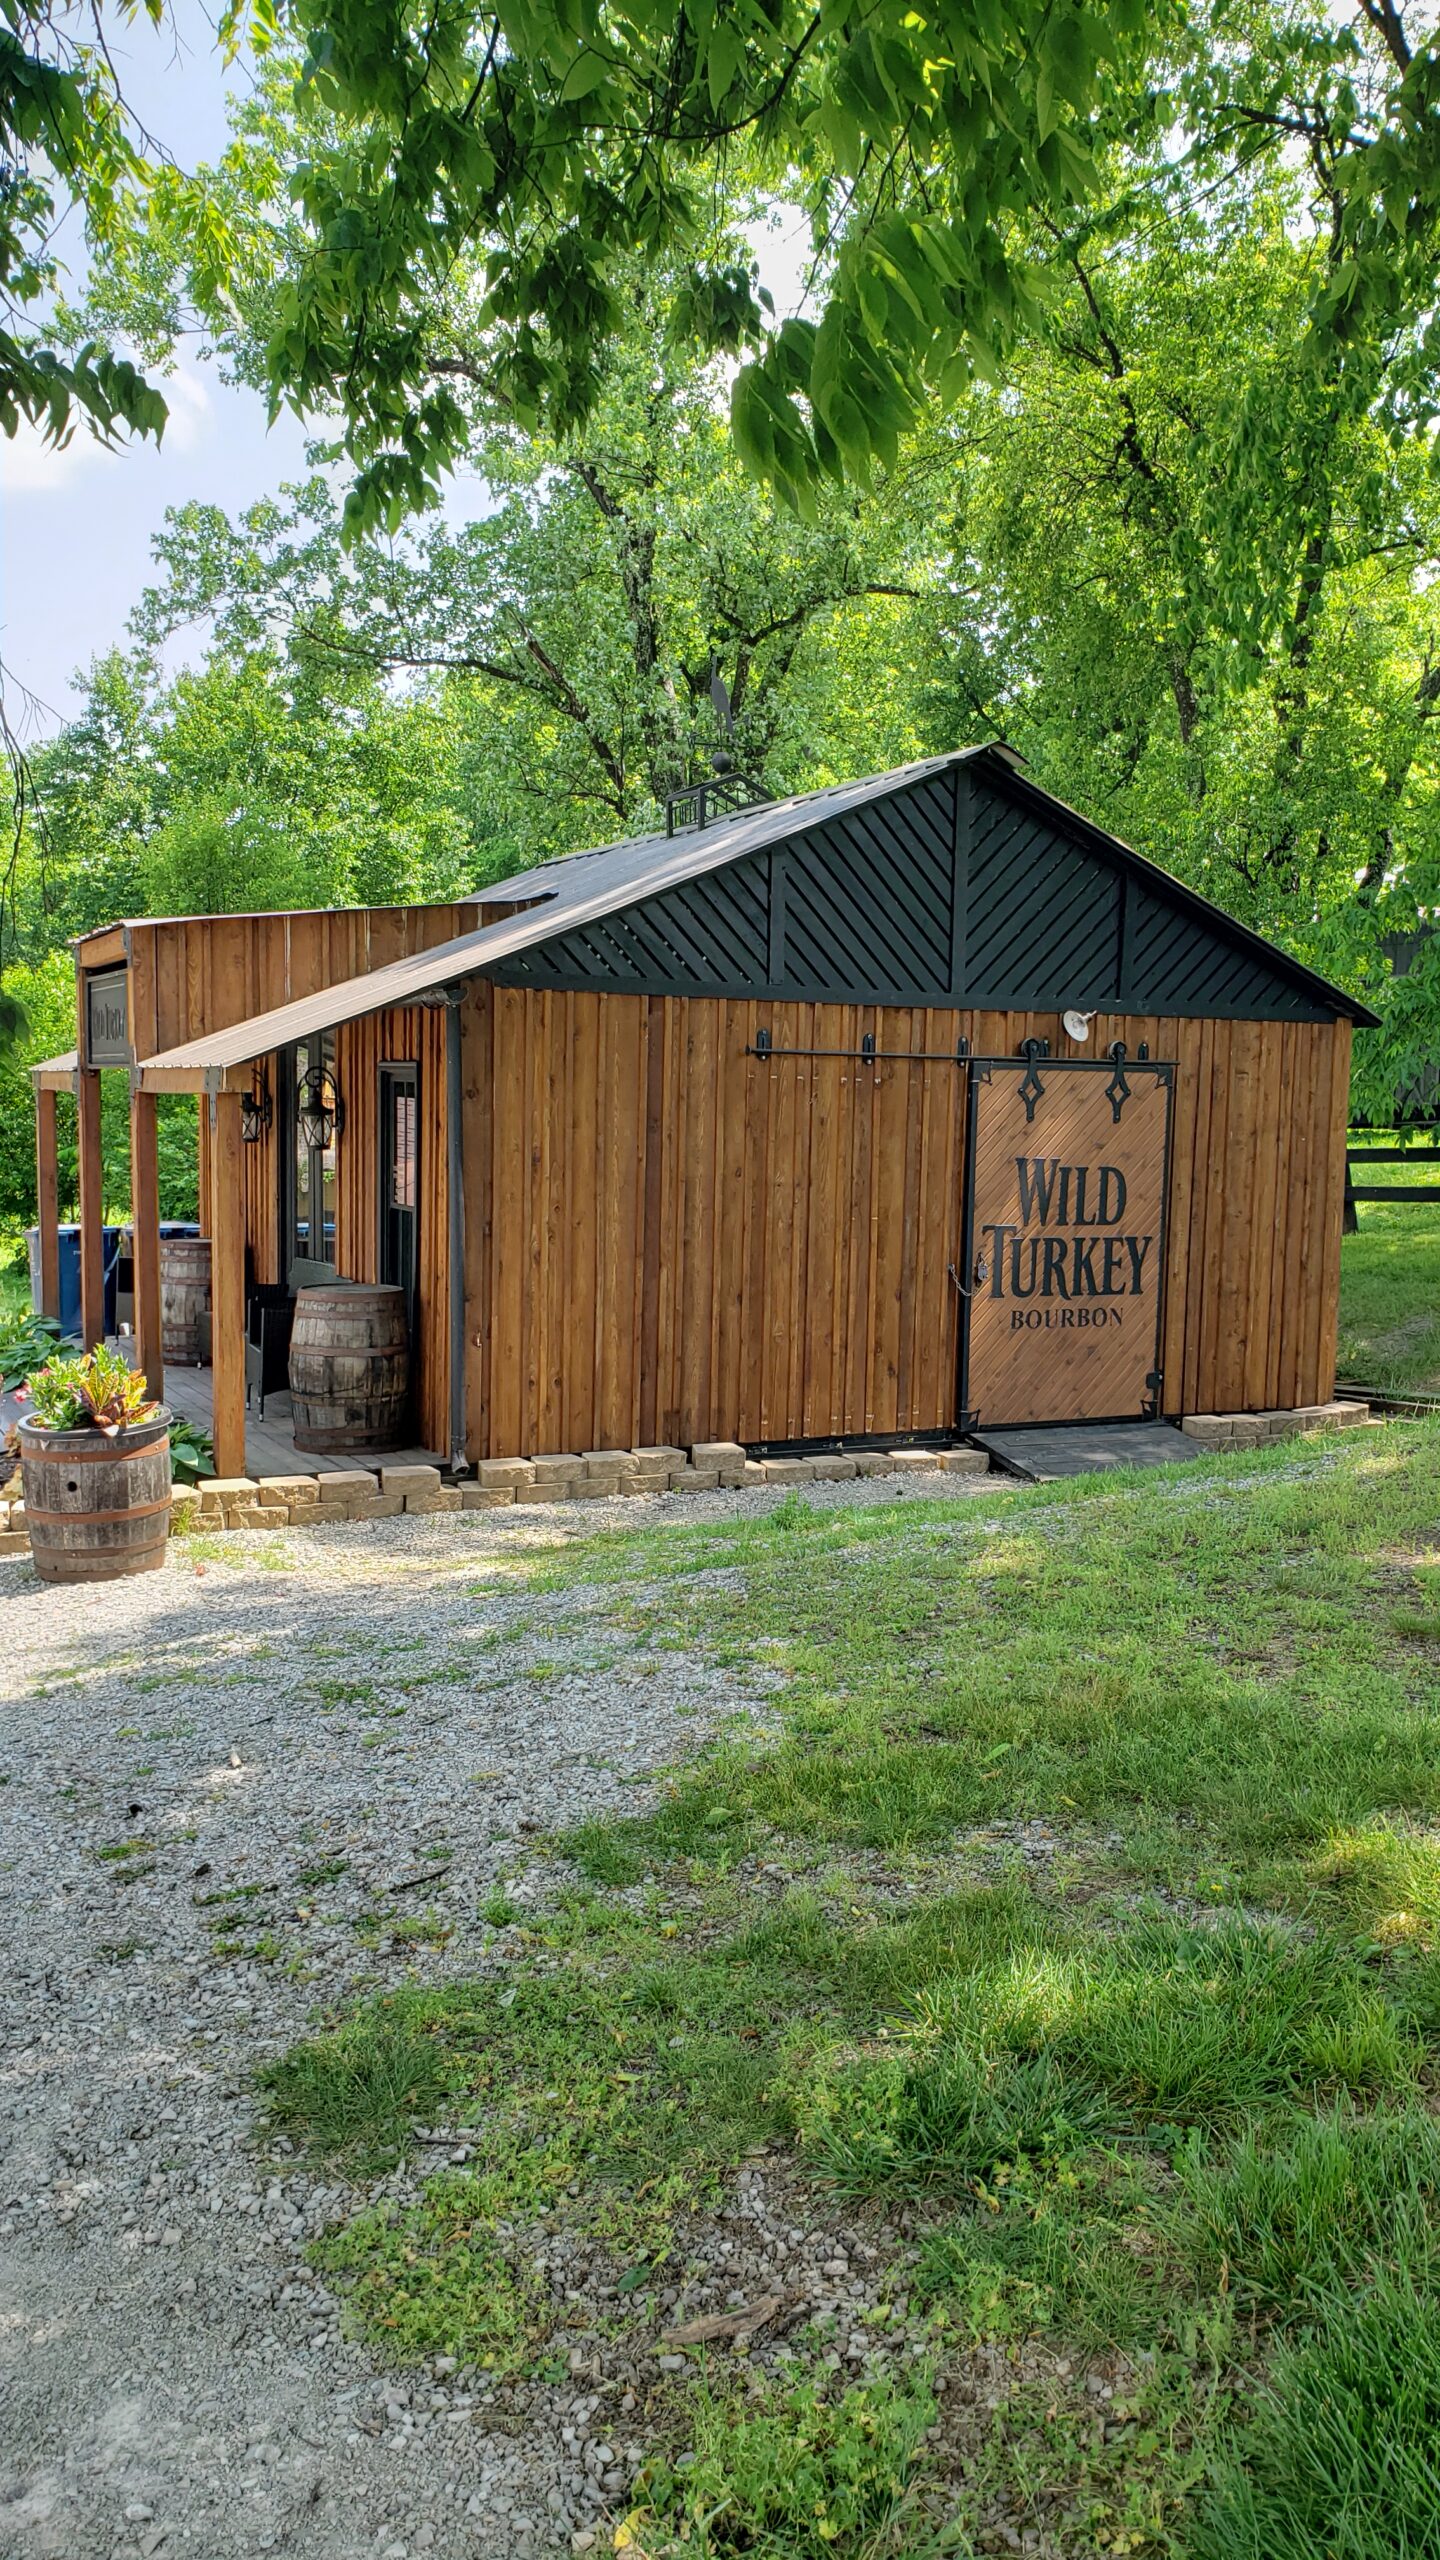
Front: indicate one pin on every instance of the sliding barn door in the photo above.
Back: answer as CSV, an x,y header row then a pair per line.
x,y
1065,1240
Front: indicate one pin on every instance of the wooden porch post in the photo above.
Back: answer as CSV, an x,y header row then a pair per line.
x,y
145,1226
47,1199
227,1282
92,1210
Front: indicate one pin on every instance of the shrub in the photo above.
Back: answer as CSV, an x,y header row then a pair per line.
x,y
26,1343
192,1453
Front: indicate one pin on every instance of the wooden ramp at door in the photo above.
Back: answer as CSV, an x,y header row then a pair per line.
x,y
1079,1448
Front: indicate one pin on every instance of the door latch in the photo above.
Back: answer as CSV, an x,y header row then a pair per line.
x,y
978,1277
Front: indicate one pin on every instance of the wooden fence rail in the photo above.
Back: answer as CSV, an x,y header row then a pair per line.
x,y
1398,1194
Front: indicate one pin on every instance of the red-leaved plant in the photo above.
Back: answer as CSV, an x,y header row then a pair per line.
x,y
97,1391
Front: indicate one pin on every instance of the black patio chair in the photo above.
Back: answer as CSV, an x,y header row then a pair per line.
x,y
268,1317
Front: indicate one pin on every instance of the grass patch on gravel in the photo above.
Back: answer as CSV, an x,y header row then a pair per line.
x,y
1167,2155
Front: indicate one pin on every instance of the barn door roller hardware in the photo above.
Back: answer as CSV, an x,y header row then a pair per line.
x,y
867,1054
1031,1084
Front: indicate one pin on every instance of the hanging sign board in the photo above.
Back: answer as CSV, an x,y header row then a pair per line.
x,y
107,1029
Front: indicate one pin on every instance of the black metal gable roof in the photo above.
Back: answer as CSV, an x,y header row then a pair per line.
x,y
956,881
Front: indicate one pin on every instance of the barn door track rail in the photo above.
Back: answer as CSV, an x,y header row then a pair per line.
x,y
762,1046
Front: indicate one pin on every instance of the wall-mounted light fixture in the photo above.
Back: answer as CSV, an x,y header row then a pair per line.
x,y
255,1113
319,1111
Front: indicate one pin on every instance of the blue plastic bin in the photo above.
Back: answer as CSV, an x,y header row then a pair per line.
x,y
69,1242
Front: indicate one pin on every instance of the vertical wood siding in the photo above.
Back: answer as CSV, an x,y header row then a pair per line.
x,y
668,1239
194,974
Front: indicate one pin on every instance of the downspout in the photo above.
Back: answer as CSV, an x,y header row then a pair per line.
x,y
454,1106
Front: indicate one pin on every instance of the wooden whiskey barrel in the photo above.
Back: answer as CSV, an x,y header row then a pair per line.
x,y
185,1300
97,1508
349,1368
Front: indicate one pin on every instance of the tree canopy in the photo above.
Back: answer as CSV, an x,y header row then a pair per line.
x,y
1144,483
934,147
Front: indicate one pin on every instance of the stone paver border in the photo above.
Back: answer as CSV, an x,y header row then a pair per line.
x,y
596,1475
219,1503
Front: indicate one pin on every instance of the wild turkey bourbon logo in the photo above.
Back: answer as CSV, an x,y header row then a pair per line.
x,y
1067,1231
1066,1258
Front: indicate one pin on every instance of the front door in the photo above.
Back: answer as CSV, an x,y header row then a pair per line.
x,y
1065,1237
400,1183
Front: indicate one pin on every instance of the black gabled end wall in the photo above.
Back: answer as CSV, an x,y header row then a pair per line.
x,y
954,890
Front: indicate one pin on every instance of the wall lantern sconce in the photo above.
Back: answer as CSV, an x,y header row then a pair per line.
x,y
255,1114
319,1112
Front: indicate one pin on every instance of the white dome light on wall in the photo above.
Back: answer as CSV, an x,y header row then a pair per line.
x,y
1077,1025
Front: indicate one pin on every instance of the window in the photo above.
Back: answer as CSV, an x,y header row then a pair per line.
x,y
405,1146
310,1208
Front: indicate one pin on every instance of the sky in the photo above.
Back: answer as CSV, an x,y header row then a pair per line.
x,y
77,525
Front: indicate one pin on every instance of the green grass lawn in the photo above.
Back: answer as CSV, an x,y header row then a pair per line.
x,y
1390,1284
1079,1919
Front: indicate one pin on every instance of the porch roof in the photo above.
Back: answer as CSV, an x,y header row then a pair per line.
x,y
54,1075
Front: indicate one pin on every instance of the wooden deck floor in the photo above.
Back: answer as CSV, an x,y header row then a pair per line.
x,y
269,1448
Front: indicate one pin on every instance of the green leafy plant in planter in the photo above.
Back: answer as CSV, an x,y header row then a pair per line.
x,y
26,1343
97,1391
191,1453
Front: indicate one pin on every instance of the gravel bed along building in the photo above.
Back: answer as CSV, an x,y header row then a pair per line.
x,y
234,1792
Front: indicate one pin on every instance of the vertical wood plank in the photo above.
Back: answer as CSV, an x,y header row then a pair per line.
x,y
1262,1340
650,1213
731,1246
227,1284
47,1199
92,1210
754,1103
1184,1051
477,1127
1315,1109
1234,1182
860,1106
512,1424
1340,1039
145,1224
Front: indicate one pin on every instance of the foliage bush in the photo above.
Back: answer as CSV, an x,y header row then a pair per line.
x,y
192,1452
27,1342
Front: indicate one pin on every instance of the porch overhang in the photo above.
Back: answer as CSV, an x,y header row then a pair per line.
x,y
56,1075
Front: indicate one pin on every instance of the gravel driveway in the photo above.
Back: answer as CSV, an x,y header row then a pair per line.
x,y
230,1794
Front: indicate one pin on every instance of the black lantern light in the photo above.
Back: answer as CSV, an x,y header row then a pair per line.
x,y
319,1113
255,1113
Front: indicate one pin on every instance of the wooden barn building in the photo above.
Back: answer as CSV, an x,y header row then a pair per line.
x,y
874,1115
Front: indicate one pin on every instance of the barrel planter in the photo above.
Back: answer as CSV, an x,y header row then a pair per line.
x,y
349,1368
185,1300
97,1505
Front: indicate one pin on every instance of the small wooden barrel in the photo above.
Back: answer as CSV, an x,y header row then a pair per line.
x,y
349,1368
97,1508
185,1300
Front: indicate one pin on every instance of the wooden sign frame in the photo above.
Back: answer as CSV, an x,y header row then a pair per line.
x,y
1124,1074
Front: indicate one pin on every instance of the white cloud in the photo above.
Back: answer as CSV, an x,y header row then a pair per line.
x,y
29,467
